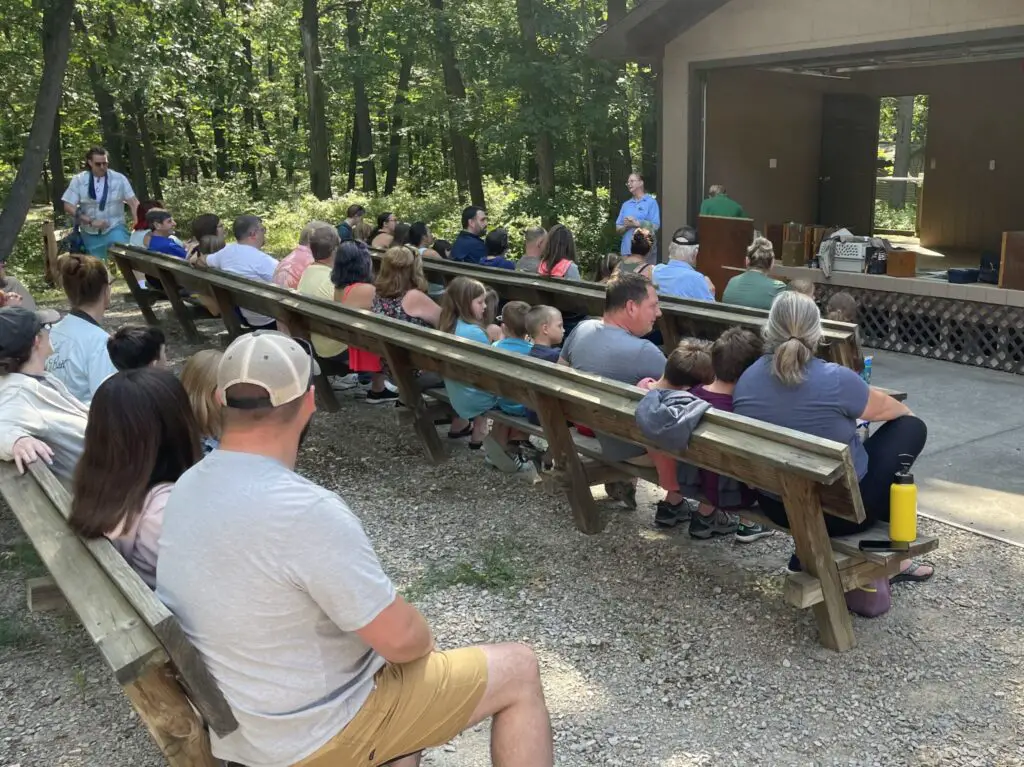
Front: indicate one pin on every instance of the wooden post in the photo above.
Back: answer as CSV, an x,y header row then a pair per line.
x,y
401,371
173,291
587,516
227,312
170,719
299,328
807,524
669,333
51,270
140,295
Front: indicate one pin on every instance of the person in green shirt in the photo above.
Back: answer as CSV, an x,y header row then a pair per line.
x,y
719,203
754,288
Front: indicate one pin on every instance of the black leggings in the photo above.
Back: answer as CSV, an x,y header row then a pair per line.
x,y
904,436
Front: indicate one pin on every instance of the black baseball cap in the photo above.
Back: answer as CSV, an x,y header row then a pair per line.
x,y
19,327
685,235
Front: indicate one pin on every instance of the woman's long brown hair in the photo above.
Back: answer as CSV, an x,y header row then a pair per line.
x,y
141,432
558,246
456,303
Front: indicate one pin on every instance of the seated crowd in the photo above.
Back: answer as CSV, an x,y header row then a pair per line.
x,y
193,478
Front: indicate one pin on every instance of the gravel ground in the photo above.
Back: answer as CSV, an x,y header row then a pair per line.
x,y
655,649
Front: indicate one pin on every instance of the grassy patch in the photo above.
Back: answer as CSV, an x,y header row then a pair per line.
x,y
22,557
15,634
501,567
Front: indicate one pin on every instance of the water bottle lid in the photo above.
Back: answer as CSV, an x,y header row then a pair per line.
x,y
905,477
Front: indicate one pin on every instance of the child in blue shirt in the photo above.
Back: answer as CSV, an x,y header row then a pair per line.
x,y
496,243
463,307
545,328
513,327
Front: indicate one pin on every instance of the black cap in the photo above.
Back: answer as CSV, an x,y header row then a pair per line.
x,y
685,235
20,326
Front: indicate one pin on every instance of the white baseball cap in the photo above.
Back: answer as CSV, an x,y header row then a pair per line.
x,y
282,366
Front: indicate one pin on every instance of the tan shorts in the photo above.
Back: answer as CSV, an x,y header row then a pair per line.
x,y
413,706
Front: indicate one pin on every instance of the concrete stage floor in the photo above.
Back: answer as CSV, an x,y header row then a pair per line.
x,y
971,473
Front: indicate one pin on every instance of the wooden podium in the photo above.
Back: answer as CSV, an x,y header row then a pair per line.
x,y
723,242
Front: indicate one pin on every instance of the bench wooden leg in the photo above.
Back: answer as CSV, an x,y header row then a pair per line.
x,y
297,328
170,719
807,524
178,306
585,512
140,295
227,312
401,369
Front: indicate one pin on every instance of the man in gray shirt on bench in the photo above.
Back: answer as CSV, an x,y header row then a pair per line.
x,y
278,587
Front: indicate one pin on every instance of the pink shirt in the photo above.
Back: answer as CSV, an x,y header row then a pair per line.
x,y
289,271
140,545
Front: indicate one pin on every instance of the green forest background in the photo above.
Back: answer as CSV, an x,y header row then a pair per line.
x,y
294,108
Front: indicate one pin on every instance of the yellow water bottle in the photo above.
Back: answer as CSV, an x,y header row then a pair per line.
x,y
903,504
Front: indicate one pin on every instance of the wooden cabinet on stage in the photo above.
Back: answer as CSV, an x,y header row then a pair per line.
x,y
723,242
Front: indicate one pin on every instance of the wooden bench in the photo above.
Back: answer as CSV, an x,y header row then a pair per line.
x,y
680,317
145,647
813,476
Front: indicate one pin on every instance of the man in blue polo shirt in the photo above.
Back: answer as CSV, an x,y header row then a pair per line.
x,y
639,212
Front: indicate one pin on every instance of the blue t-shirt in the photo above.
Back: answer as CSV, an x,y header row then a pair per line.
x,y
166,245
678,278
644,209
498,262
80,358
467,401
827,403
548,353
516,346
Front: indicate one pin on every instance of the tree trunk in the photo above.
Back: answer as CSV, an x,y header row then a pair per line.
x,y
319,142
148,147
58,182
133,145
364,129
110,127
464,152
249,120
193,142
290,153
56,46
901,157
272,163
397,115
220,140
533,97
353,157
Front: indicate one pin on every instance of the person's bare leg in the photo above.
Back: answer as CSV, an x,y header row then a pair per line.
x,y
458,424
479,429
514,697
377,382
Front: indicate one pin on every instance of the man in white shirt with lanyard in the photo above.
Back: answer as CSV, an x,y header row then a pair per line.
x,y
97,197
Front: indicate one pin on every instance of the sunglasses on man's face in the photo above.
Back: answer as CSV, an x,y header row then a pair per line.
x,y
101,163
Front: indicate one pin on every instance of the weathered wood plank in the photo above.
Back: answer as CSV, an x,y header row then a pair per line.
x,y
141,296
153,613
585,512
299,328
803,590
171,721
807,526
404,374
44,595
127,644
173,291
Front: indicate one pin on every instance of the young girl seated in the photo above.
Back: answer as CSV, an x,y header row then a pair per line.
x,y
199,377
463,307
141,438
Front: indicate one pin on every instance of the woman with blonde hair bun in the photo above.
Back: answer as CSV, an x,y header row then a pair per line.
x,y
754,288
792,387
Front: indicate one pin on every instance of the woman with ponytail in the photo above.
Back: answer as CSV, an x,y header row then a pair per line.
x,y
792,387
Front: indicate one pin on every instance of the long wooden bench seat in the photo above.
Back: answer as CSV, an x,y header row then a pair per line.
x,y
813,476
145,647
856,567
680,317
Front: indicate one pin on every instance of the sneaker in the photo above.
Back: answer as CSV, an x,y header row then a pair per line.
x,y
754,531
388,386
381,397
669,515
344,383
505,461
717,522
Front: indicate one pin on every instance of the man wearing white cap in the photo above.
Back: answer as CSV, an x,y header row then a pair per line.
x,y
274,580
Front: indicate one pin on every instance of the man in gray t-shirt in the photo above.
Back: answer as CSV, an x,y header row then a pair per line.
x,y
278,587
613,346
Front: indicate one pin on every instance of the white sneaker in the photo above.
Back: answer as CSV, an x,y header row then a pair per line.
x,y
344,383
390,386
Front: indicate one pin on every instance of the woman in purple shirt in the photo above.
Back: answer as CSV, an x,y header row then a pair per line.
x,y
792,387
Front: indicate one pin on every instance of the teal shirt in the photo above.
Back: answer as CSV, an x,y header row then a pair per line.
x,y
516,346
752,288
466,400
721,205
